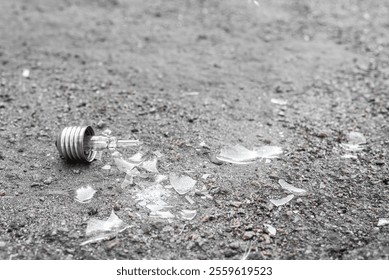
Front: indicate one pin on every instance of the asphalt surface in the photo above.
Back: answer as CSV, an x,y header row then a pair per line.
x,y
189,78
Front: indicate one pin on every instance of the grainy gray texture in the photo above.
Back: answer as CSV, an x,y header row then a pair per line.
x,y
127,65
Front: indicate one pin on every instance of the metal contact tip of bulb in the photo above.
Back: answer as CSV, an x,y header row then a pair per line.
x,y
70,143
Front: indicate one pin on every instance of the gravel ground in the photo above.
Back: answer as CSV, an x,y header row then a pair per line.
x,y
189,78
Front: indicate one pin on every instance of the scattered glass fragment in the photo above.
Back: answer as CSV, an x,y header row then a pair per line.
x,y
278,101
158,154
106,167
101,230
349,156
162,214
85,194
129,179
150,165
240,155
237,154
282,201
26,73
124,165
268,151
160,178
107,132
191,93
188,214
190,200
116,154
289,187
182,184
383,222
157,207
205,176
270,229
137,158
153,194
355,140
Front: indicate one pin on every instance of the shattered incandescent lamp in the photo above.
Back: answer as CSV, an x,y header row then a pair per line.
x,y
79,143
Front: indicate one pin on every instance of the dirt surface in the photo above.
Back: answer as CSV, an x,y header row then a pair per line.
x,y
130,66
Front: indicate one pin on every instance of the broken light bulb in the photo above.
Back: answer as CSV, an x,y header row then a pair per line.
x,y
79,143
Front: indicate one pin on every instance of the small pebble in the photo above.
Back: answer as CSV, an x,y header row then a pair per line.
x,y
48,181
236,204
229,253
206,219
81,104
248,235
111,243
234,245
117,207
35,184
101,124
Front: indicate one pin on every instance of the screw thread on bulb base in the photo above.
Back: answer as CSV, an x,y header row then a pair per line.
x,y
70,143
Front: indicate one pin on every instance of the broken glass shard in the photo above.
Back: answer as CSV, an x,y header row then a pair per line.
x,y
85,194
106,167
157,207
191,93
237,154
124,165
282,201
100,230
153,194
354,141
137,158
240,155
107,132
205,176
278,101
190,200
268,151
150,165
182,184
129,179
158,154
349,156
116,154
160,178
188,214
26,73
162,214
289,187
356,138
270,229
383,222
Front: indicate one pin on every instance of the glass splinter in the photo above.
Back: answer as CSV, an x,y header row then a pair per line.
x,y
99,143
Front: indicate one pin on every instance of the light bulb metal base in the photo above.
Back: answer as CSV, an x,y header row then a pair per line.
x,y
70,143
